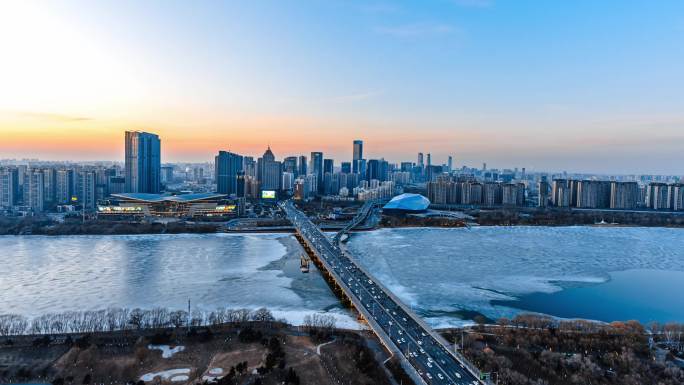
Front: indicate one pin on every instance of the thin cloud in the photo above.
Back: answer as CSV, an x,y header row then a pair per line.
x,y
416,30
50,116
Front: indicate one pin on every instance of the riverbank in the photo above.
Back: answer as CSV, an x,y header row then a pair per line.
x,y
576,217
529,216
531,349
527,349
76,226
524,216
264,352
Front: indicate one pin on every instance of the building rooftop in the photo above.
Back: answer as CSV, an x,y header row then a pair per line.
x,y
151,198
408,202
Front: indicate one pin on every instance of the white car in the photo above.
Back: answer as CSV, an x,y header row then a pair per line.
x,y
428,375
429,365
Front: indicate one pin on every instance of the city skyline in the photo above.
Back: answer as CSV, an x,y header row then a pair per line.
x,y
482,81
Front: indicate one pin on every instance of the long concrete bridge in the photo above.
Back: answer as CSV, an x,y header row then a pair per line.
x,y
424,354
359,218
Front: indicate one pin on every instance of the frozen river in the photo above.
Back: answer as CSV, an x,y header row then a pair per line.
x,y
43,274
444,274
604,273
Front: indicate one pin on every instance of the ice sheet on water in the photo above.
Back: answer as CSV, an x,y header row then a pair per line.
x,y
63,273
447,270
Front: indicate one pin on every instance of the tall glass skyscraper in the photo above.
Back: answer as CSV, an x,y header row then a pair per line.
x,y
302,166
143,162
227,167
317,169
328,165
358,155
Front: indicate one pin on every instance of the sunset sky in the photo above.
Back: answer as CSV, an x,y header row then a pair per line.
x,y
594,86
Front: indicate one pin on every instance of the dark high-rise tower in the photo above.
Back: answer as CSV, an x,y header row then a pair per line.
x,y
290,165
227,166
328,165
302,166
317,169
358,155
143,162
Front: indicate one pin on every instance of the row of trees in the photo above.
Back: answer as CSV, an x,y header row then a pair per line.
x,y
669,331
319,321
532,350
113,319
319,326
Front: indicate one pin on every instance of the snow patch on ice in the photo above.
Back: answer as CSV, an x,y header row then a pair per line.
x,y
167,374
343,319
167,351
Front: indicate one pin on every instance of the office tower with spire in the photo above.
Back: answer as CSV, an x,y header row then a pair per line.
x,y
269,171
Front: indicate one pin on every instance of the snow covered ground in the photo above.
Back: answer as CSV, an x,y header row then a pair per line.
x,y
167,351
175,375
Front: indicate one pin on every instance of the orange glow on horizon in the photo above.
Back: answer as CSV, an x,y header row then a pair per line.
x,y
61,137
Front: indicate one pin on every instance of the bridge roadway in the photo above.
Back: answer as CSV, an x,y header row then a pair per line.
x,y
361,216
423,353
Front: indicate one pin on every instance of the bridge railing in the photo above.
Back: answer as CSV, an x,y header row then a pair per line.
x,y
471,367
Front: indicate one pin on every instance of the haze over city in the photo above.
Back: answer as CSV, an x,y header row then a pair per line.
x,y
578,86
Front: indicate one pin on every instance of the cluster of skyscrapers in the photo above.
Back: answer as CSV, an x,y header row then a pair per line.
x,y
40,186
601,194
318,176
43,187
468,191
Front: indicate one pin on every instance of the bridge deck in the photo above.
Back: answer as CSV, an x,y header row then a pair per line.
x,y
423,353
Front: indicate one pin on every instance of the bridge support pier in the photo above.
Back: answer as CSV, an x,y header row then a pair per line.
x,y
329,279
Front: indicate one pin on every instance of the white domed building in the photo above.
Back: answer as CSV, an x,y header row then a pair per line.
x,y
409,203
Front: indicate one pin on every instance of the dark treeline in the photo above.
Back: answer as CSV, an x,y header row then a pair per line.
x,y
565,217
538,350
115,319
415,221
75,225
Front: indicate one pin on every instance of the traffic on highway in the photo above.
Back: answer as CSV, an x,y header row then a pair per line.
x,y
431,360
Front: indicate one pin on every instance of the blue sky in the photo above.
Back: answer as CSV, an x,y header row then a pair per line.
x,y
559,85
